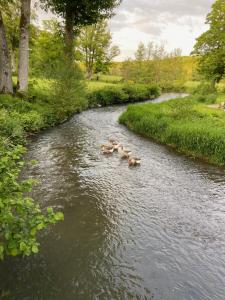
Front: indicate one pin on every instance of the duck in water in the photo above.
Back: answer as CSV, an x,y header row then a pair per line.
x,y
107,149
134,161
124,153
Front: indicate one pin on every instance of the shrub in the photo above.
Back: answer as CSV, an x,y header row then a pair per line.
x,y
205,88
20,217
121,94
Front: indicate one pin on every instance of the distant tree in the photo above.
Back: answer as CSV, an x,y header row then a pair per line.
x,y
94,43
160,51
150,51
177,52
210,46
140,54
78,13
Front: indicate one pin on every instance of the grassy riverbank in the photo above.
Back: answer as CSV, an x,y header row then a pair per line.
x,y
190,126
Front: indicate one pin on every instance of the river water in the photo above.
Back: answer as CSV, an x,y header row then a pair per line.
x,y
152,232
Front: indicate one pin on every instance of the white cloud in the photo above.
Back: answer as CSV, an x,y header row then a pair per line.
x,y
179,22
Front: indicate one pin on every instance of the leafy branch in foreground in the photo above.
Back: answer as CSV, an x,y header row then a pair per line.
x,y
20,217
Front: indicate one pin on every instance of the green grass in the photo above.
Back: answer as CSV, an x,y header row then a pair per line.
x,y
121,94
108,78
185,124
97,85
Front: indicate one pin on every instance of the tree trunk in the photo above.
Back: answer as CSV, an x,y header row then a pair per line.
x,y
69,35
6,85
13,61
22,84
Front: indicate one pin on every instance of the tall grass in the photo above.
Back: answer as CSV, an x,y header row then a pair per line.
x,y
121,94
185,124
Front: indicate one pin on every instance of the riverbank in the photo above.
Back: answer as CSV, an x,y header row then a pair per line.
x,y
189,126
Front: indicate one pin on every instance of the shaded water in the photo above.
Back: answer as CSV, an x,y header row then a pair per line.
x,y
152,232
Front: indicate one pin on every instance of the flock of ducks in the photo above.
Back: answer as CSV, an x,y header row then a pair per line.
x,y
114,146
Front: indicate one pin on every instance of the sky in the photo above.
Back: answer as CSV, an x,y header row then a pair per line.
x,y
177,23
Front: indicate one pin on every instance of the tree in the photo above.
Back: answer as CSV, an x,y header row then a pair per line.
x,y
150,51
140,54
78,13
23,70
6,85
47,49
210,46
94,43
12,30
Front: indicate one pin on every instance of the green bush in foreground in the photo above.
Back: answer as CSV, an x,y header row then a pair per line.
x,y
121,94
20,217
185,124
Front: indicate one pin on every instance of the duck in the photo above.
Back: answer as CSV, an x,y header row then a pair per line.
x,y
112,142
123,152
134,161
107,149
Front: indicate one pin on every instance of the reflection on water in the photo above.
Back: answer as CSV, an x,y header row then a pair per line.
x,y
152,232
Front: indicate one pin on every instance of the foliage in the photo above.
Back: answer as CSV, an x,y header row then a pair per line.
x,y
47,49
107,78
170,73
68,90
153,51
90,12
120,94
94,43
185,124
210,45
20,217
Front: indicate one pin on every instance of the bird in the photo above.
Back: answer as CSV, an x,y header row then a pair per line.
x,y
134,161
107,149
123,152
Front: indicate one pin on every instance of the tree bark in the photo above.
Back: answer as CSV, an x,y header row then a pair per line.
x,y
6,85
69,35
23,72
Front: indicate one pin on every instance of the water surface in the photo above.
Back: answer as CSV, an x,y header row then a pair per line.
x,y
152,232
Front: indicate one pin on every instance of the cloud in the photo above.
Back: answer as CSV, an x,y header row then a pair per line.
x,y
179,22
160,20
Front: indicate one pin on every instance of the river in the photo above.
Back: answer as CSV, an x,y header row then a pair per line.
x,y
152,232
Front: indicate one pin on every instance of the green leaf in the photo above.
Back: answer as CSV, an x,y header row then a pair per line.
x,y
35,249
59,216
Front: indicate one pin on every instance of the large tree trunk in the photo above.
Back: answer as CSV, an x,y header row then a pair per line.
x,y
69,35
22,84
6,85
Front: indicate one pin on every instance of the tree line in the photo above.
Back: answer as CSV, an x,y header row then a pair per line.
x,y
75,14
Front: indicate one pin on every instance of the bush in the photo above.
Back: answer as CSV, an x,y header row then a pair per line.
x,y
20,217
121,94
205,88
207,99
68,90
172,86
185,124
